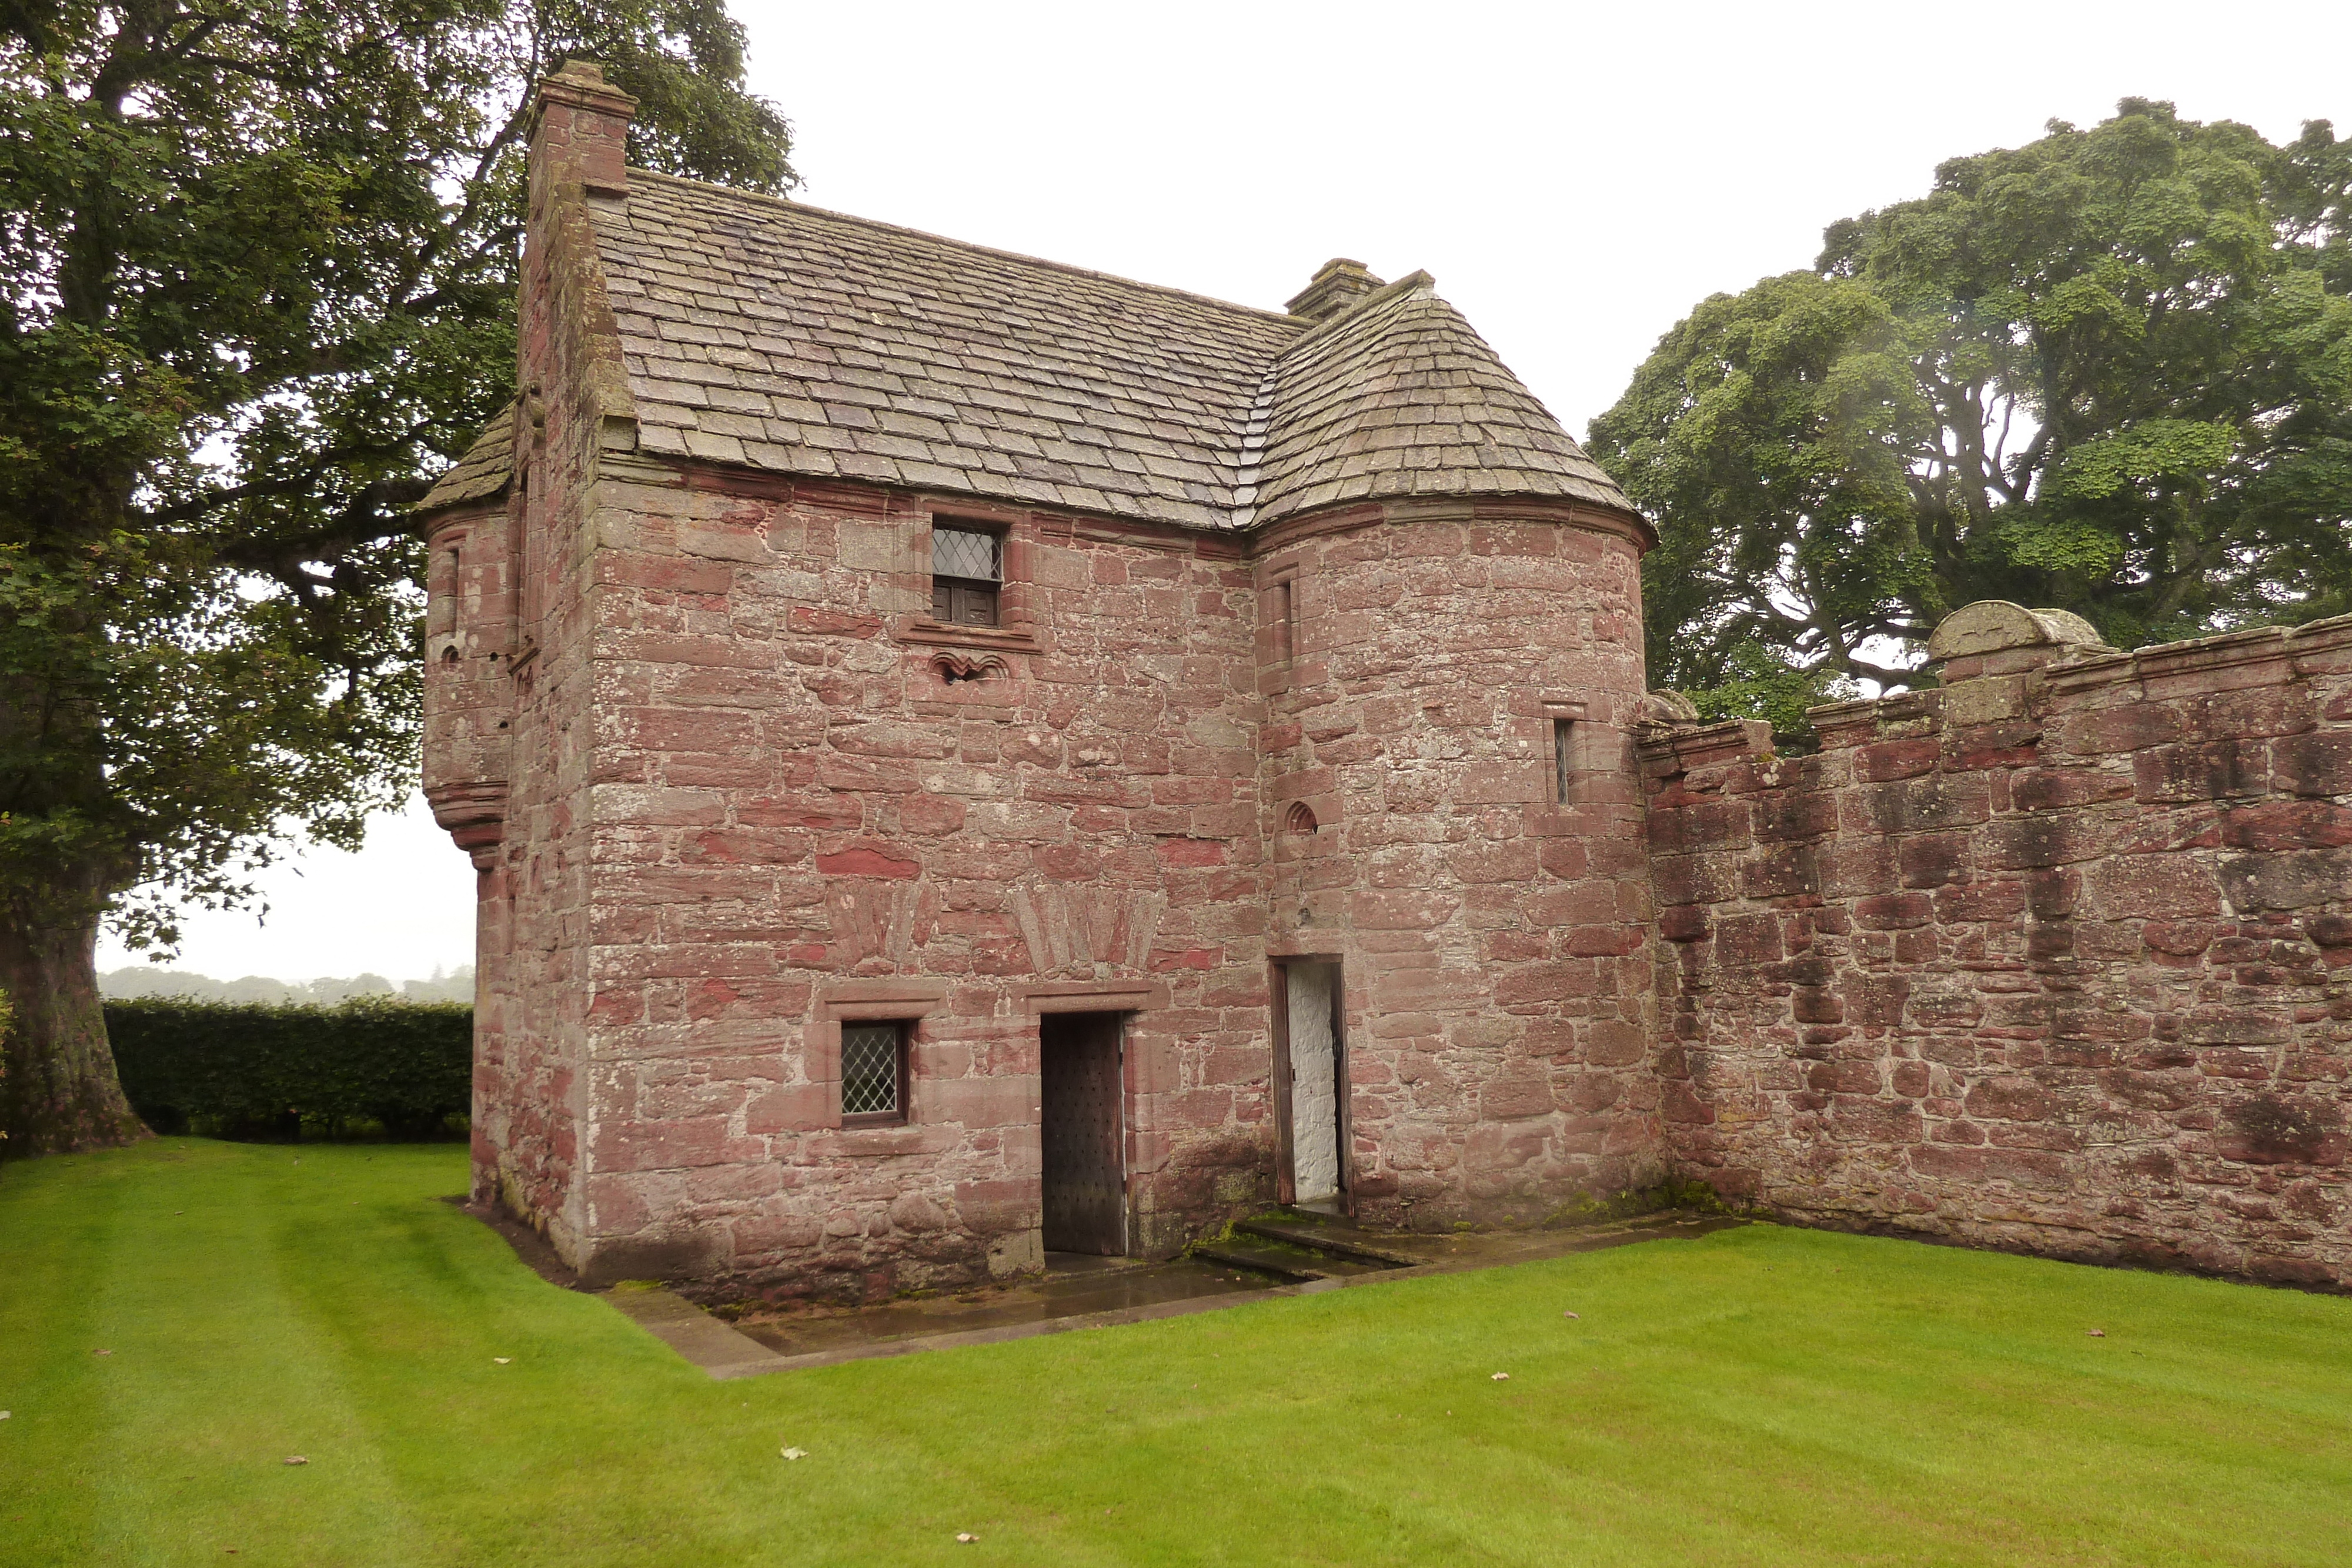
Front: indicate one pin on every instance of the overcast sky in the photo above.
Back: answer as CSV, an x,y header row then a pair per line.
x,y
1575,177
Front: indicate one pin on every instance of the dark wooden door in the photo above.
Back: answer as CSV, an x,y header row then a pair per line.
x,y
1084,1134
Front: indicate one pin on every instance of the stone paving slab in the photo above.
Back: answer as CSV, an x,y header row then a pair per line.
x,y
694,1333
1079,1299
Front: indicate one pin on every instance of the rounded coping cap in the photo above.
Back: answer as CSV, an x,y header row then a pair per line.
x,y
1665,707
1992,625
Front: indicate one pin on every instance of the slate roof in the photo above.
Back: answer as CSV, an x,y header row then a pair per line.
x,y
483,471
766,332
1400,397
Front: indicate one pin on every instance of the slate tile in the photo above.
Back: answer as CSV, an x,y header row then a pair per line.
x,y
798,331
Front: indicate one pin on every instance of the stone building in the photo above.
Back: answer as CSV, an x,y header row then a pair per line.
x,y
936,727
967,756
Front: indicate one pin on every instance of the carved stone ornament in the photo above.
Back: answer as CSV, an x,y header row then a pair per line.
x,y
954,667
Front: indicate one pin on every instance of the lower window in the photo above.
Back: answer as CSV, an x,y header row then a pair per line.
x,y
872,1074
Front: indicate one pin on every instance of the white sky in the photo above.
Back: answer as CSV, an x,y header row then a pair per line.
x,y
1575,176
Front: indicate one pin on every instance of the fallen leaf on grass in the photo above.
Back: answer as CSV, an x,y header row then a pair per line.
x,y
101,1353
1502,1377
967,1537
1570,1315
5,1414
2098,1334
794,1453
295,1459
503,1359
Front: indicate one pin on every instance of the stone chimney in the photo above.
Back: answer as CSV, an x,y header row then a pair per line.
x,y
580,129
1339,283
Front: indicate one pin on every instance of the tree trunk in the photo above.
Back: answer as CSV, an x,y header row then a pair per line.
x,y
58,1091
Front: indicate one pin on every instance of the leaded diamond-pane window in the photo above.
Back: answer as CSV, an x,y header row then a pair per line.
x,y
873,1071
964,552
966,565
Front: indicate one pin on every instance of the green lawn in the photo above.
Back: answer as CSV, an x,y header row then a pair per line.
x,y
1757,1395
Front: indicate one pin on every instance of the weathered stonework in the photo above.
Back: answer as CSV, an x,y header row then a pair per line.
x,y
730,788
2055,958
1318,643
1495,938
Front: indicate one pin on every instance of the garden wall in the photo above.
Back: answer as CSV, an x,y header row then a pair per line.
x,y
2055,958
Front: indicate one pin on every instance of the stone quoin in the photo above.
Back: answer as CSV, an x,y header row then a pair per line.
x,y
964,756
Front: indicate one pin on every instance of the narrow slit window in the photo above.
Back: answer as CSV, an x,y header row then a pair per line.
x,y
967,570
1289,622
872,1074
1563,751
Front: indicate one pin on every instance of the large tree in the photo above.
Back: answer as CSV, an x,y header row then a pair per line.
x,y
2110,373
257,271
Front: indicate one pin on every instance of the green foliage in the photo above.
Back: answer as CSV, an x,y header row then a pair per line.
x,y
251,1067
2110,373
1755,685
258,275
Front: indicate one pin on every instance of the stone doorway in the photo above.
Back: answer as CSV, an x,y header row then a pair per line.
x,y
1311,1069
1083,1133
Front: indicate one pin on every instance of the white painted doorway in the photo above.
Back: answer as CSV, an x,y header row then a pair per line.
x,y
1311,1014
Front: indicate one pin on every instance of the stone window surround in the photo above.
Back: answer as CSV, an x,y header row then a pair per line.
x,y
905,1002
1565,761
1279,612
1016,600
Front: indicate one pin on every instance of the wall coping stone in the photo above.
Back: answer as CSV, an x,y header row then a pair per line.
x,y
1698,746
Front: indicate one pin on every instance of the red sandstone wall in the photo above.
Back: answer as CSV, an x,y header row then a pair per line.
x,y
532,922
2055,958
795,810
747,792
469,637
1495,942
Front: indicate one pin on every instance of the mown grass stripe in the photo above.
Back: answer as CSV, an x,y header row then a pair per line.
x,y
1755,1395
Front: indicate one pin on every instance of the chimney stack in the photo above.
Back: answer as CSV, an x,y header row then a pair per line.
x,y
580,129
1339,283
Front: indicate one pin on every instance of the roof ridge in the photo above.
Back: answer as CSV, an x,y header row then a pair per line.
x,y
805,208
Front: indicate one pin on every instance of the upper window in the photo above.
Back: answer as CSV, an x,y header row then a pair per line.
x,y
967,566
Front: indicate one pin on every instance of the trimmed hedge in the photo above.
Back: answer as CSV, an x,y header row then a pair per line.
x,y
255,1068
